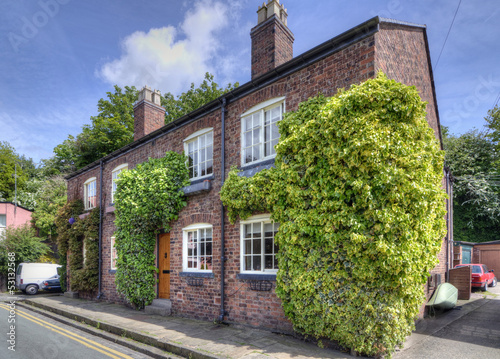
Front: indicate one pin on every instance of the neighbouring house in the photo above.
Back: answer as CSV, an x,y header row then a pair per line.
x,y
487,253
13,215
462,252
239,129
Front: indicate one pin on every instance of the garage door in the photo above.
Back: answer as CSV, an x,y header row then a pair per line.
x,y
492,259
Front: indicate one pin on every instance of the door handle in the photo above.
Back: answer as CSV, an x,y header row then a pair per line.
x,y
166,271
166,255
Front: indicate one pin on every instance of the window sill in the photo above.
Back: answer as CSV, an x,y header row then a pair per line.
x,y
251,276
83,215
201,179
197,274
112,271
251,169
197,187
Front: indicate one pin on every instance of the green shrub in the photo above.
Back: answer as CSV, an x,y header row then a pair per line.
x,y
357,192
148,198
22,241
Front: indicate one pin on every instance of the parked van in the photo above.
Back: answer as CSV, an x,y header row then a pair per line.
x,y
29,276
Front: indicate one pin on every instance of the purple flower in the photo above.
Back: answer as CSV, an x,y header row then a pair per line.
x,y
71,220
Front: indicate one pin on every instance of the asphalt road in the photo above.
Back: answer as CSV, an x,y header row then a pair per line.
x,y
36,336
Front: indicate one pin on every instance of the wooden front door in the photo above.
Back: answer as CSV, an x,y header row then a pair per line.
x,y
164,265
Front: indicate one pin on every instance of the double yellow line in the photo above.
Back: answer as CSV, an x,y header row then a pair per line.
x,y
82,340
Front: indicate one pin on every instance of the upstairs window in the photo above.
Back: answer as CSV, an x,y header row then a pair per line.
x,y
258,249
199,148
90,193
114,177
197,248
259,131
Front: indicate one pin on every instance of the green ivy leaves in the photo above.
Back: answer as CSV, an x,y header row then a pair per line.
x,y
72,238
148,198
357,192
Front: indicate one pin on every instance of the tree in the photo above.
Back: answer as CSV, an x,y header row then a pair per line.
x,y
8,160
473,159
24,243
113,127
493,125
49,198
193,98
64,159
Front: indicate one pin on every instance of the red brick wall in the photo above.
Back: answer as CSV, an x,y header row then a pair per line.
x,y
402,54
461,278
272,45
148,117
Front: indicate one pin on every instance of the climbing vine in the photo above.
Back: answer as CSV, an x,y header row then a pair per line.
x,y
357,191
73,235
148,198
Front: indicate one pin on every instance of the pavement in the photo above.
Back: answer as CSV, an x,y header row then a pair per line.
x,y
171,337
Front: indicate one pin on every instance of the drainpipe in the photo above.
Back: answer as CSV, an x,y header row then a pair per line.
x,y
223,249
449,224
99,293
450,176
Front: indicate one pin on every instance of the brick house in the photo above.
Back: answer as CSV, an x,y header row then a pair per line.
x,y
228,278
13,215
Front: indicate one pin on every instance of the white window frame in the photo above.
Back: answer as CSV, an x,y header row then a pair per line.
x,y
86,192
260,109
262,219
185,232
114,176
3,227
114,254
194,138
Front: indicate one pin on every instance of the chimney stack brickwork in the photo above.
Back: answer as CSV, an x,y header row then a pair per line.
x,y
272,40
149,116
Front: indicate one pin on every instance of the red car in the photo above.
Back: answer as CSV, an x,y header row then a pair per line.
x,y
481,276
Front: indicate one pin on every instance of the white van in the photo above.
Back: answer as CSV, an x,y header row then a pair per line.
x,y
29,276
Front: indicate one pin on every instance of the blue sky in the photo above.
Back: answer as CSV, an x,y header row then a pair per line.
x,y
59,57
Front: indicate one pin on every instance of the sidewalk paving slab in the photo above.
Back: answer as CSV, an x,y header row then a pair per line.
x,y
205,340
181,336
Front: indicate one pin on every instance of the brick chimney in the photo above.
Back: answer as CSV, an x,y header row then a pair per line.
x,y
272,40
148,113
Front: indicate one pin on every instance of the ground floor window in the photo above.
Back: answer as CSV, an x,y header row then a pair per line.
x,y
258,248
197,248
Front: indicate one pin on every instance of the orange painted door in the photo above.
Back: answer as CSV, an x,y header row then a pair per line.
x,y
164,266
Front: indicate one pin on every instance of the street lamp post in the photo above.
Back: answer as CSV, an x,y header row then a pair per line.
x,y
15,188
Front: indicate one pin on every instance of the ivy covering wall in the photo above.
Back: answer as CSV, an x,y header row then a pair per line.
x,y
357,191
148,198
73,235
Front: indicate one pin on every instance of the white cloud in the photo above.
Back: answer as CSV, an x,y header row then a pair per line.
x,y
170,58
